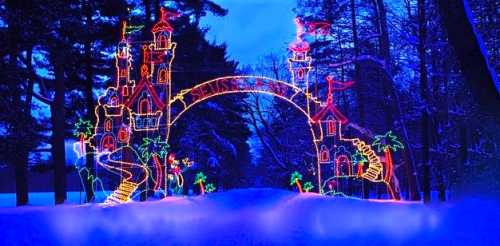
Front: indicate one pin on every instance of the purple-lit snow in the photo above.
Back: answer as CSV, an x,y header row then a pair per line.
x,y
254,216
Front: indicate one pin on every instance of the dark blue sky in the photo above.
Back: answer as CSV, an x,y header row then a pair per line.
x,y
252,28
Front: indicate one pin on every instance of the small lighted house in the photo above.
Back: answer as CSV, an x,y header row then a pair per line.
x,y
334,153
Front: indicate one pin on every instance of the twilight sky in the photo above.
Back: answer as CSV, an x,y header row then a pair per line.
x,y
252,28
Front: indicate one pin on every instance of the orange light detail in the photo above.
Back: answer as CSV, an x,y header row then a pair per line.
x,y
108,125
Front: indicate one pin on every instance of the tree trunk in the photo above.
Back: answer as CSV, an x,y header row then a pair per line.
x,y
388,162
359,88
58,129
383,31
385,53
157,7
21,172
467,44
426,169
202,188
413,193
359,91
89,101
438,158
20,162
159,173
299,186
441,188
21,168
463,158
147,12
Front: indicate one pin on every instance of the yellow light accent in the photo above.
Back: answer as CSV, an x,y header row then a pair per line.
x,y
108,110
122,193
375,167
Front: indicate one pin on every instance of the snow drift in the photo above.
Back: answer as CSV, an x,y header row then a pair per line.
x,y
253,216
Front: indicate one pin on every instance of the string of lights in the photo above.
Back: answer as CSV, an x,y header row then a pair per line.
x,y
134,120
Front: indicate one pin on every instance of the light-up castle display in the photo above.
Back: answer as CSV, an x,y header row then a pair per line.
x,y
134,119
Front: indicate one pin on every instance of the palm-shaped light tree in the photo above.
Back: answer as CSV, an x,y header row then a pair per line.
x,y
200,180
156,149
209,188
295,179
385,143
82,130
308,186
359,159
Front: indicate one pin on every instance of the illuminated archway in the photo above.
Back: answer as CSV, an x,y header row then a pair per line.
x,y
242,84
299,99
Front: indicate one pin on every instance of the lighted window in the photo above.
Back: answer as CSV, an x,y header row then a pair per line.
x,y
300,73
108,125
123,52
123,135
162,42
144,106
108,143
331,128
162,76
324,154
125,91
300,56
123,72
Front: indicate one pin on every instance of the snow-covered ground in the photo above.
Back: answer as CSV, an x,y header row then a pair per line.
x,y
254,216
47,198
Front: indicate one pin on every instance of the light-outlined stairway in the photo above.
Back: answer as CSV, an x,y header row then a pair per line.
x,y
122,193
375,167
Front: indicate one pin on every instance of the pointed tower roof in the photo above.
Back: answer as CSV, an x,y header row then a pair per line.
x,y
143,85
300,46
330,108
163,24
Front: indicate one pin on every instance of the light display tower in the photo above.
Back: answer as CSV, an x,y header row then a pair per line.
x,y
131,113
123,65
300,62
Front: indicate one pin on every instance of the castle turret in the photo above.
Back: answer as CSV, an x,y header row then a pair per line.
x,y
123,64
300,65
300,62
163,49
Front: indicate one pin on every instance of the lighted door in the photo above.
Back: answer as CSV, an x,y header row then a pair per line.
x,y
108,143
343,166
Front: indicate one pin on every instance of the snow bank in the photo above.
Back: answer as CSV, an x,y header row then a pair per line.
x,y
254,216
47,198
